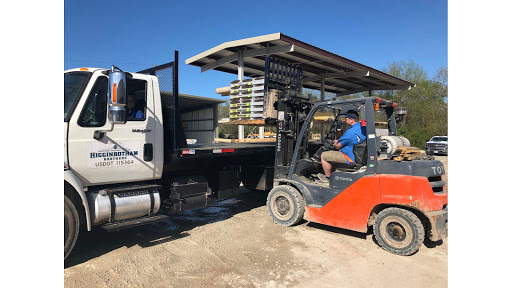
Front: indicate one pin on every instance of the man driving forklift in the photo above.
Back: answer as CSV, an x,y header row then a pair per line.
x,y
355,134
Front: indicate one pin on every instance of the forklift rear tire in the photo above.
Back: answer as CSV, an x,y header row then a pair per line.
x,y
285,205
399,231
71,226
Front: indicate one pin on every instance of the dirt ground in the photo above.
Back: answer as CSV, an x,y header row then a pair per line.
x,y
234,243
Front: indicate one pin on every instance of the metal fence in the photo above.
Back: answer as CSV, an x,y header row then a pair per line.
x,y
167,75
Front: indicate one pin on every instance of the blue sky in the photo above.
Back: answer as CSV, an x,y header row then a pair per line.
x,y
134,35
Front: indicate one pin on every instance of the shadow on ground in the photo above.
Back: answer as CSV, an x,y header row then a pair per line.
x,y
337,230
99,242
427,242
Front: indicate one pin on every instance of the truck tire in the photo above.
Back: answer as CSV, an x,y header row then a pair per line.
x,y
285,205
251,176
71,226
399,231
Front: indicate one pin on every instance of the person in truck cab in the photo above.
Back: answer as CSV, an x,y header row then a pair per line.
x,y
345,144
133,113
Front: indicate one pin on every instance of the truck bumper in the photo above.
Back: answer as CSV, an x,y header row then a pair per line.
x,y
436,151
438,223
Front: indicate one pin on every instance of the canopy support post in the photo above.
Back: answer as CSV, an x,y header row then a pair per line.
x,y
322,98
240,77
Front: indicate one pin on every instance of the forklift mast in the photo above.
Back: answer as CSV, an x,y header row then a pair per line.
x,y
292,108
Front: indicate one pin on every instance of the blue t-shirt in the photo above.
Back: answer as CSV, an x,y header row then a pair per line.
x,y
135,114
349,139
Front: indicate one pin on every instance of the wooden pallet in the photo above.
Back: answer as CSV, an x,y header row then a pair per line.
x,y
408,153
247,140
247,122
317,119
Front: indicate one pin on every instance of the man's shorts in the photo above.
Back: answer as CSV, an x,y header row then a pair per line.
x,y
335,157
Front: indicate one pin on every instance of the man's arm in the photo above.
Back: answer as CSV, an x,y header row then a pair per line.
x,y
345,139
337,144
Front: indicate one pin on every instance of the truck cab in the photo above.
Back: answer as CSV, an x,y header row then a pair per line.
x,y
104,149
128,151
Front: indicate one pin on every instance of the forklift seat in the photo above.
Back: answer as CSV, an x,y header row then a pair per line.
x,y
360,155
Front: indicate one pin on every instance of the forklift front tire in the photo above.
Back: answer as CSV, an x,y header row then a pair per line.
x,y
399,231
285,205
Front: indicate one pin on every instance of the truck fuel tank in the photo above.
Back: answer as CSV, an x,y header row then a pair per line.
x,y
115,204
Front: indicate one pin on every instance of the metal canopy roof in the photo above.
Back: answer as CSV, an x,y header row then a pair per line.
x,y
192,102
340,75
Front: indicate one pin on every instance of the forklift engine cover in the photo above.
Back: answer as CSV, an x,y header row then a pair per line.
x,y
351,209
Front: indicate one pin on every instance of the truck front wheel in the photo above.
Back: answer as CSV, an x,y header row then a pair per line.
x,y
285,205
71,226
399,231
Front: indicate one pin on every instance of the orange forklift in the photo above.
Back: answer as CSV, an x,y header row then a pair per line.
x,y
404,201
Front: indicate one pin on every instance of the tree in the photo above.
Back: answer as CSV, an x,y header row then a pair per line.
x,y
427,103
226,130
223,110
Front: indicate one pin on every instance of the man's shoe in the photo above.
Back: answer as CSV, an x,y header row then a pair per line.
x,y
322,178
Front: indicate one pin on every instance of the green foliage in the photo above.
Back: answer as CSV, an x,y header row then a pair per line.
x,y
427,103
223,111
315,94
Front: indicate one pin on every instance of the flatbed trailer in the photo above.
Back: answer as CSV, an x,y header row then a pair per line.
x,y
226,149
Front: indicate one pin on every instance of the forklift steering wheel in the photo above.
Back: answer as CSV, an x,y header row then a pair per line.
x,y
328,145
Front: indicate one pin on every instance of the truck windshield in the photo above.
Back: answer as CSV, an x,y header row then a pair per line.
x,y
440,139
74,83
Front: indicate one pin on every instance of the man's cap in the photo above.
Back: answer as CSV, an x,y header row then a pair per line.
x,y
352,114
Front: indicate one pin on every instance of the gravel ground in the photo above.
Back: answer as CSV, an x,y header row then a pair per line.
x,y
234,243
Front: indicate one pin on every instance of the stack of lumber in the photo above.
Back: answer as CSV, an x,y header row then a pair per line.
x,y
407,153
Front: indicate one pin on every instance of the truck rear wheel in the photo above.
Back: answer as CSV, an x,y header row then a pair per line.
x,y
251,176
71,226
285,205
399,231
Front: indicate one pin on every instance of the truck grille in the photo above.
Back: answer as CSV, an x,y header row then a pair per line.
x,y
437,184
434,145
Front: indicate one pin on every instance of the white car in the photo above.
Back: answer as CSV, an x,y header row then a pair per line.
x,y
437,145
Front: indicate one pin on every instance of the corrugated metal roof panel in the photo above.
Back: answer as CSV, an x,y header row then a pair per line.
x,y
314,60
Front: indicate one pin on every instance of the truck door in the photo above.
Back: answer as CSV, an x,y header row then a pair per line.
x,y
124,154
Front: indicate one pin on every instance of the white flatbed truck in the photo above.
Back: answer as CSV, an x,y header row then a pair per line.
x,y
121,172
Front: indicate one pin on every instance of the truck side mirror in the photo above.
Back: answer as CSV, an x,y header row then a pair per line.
x,y
117,96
